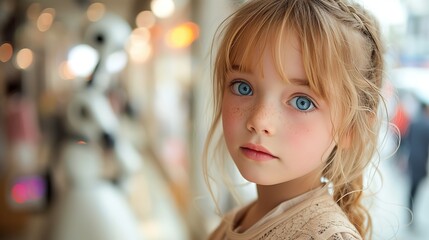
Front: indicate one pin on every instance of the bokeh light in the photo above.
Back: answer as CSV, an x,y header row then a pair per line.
x,y
116,61
24,58
45,20
95,11
65,72
183,35
6,52
82,60
138,46
145,19
162,8
28,189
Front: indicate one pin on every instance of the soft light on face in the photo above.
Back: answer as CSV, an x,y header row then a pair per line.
x,y
276,131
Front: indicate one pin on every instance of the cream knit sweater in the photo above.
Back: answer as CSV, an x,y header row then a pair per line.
x,y
316,217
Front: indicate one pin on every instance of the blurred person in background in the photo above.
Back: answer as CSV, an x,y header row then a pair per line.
x,y
418,144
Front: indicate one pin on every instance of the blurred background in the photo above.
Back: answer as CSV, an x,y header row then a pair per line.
x,y
104,112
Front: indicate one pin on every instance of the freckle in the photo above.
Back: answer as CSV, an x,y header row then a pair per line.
x,y
236,111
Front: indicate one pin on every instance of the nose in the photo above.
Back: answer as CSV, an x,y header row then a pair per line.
x,y
260,120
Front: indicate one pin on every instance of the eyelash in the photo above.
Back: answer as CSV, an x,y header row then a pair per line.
x,y
294,103
235,88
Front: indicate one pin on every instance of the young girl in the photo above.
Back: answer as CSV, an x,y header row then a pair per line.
x,y
296,90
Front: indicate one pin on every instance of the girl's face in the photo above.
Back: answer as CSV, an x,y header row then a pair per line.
x,y
276,131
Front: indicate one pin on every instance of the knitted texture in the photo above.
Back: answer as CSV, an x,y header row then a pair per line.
x,y
313,219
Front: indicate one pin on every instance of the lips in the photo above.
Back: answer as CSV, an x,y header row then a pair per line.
x,y
257,152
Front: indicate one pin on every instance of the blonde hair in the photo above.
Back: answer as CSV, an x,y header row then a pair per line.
x,y
342,56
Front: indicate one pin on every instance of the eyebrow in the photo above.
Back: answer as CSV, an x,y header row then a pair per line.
x,y
299,81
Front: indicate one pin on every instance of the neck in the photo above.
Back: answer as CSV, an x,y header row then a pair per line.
x,y
269,196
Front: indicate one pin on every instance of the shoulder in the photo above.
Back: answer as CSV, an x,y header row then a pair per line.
x,y
226,224
319,219
331,223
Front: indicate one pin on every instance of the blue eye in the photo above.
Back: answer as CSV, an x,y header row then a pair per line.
x,y
302,103
241,88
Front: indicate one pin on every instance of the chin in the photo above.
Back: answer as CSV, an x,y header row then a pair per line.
x,y
259,180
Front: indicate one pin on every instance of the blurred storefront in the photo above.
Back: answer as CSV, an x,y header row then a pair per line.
x,y
96,119
104,112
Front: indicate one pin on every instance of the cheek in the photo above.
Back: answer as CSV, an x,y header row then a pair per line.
x,y
309,137
231,116
231,119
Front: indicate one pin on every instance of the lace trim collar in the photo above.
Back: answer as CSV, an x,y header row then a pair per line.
x,y
281,208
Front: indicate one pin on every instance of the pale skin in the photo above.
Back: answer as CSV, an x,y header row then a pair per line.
x,y
278,134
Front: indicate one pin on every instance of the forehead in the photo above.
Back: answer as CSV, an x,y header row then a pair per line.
x,y
285,58
280,53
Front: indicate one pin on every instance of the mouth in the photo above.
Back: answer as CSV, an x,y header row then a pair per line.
x,y
257,152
